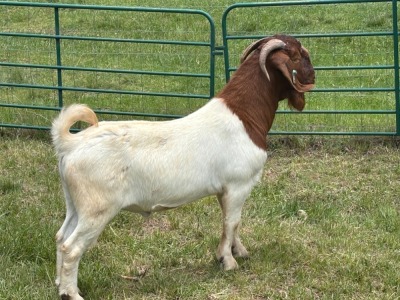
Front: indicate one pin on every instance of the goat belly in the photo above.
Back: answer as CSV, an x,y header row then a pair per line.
x,y
169,186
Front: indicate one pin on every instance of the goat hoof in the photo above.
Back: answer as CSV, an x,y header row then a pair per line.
x,y
240,252
68,297
228,263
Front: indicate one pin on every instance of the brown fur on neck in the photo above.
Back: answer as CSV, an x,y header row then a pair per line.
x,y
253,99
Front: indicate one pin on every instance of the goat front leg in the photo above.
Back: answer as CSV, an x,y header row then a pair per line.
x,y
231,204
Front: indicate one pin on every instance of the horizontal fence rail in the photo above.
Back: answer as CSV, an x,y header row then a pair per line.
x,y
111,58
358,91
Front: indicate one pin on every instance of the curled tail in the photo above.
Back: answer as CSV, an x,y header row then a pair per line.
x,y
63,140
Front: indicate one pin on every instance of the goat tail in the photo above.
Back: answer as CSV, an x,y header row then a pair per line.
x,y
62,138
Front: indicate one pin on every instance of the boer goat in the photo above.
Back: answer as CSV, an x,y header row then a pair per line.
x,y
145,167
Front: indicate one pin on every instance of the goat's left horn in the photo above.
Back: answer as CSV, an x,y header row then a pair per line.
x,y
250,49
270,46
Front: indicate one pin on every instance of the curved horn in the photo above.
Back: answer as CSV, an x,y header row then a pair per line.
x,y
305,50
266,50
250,49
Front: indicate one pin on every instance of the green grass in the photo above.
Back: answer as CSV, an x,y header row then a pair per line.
x,y
345,245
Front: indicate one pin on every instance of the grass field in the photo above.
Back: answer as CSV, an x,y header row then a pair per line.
x,y
345,245
323,223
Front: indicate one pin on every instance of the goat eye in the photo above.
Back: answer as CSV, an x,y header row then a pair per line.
x,y
296,59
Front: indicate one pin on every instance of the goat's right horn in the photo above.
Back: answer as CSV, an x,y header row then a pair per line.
x,y
266,50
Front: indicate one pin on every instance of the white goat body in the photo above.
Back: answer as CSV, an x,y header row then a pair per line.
x,y
144,167
150,166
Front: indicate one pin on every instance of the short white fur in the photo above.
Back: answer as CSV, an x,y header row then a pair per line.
x,y
150,166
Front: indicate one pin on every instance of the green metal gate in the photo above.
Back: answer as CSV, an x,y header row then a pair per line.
x,y
113,58
123,65
356,61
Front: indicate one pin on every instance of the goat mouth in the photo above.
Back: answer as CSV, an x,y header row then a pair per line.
x,y
302,87
307,85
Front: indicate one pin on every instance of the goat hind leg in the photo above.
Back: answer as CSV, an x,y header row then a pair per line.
x,y
70,222
63,233
85,234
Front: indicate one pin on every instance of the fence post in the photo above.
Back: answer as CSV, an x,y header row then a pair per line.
x,y
396,65
58,55
225,42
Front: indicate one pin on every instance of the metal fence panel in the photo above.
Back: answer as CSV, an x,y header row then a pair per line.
x,y
356,61
122,64
112,58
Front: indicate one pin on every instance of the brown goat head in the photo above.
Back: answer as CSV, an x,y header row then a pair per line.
x,y
283,55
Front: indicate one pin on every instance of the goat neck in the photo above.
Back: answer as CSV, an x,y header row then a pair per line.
x,y
253,98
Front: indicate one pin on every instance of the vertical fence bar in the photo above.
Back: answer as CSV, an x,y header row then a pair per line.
x,y
212,54
58,55
225,43
396,64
